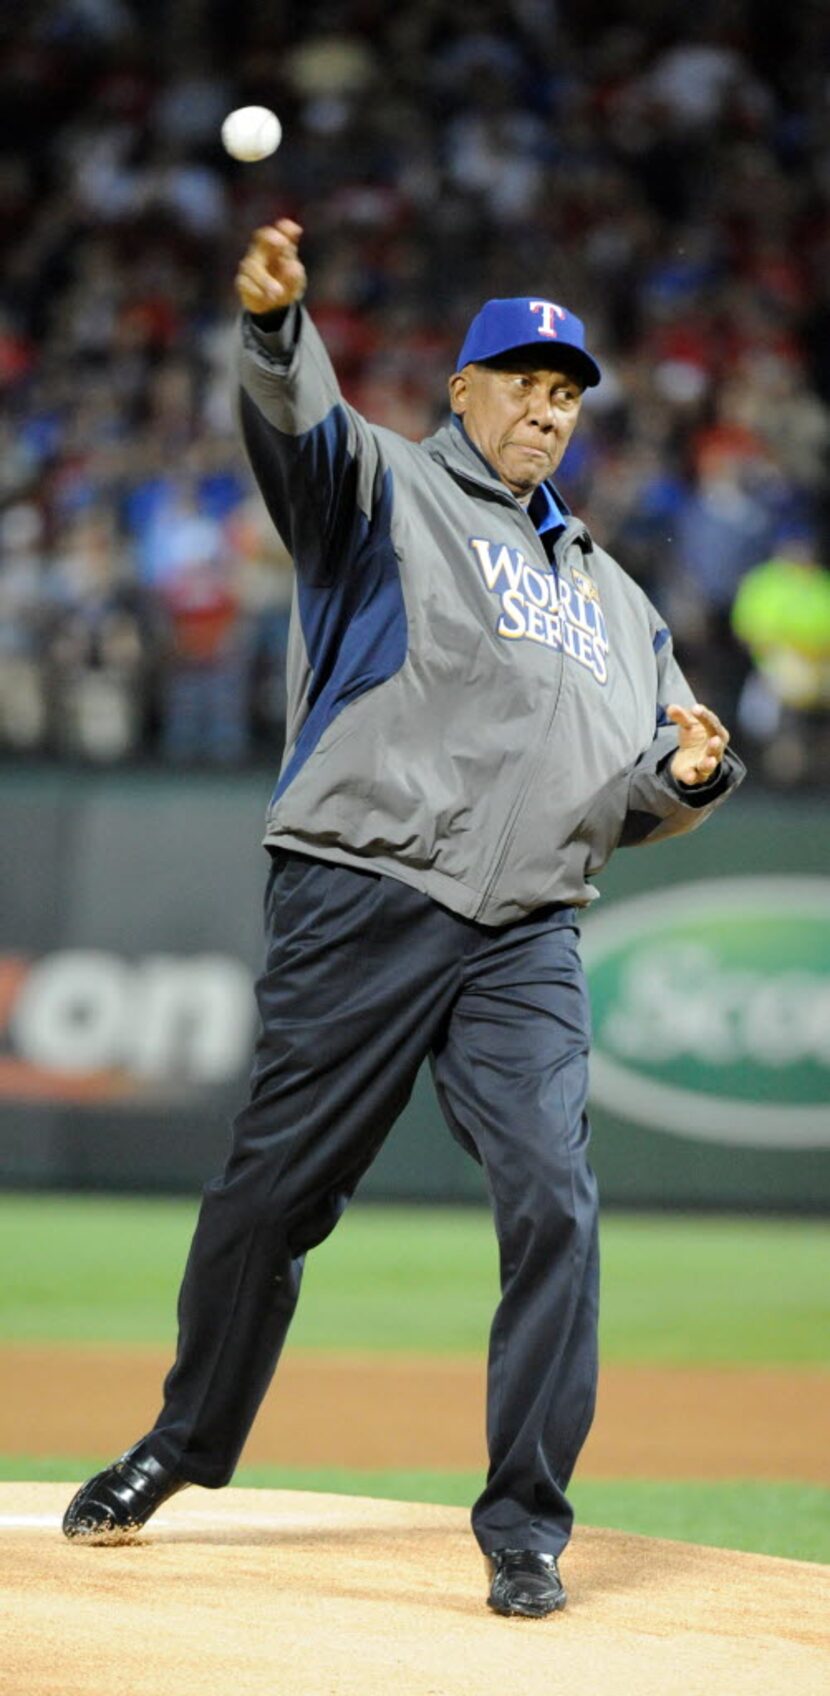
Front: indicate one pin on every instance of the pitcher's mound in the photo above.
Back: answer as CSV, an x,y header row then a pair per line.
x,y
273,1593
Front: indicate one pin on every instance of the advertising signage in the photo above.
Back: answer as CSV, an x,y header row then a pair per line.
x,y
711,1007
130,937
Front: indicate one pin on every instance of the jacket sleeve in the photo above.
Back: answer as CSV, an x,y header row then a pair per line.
x,y
315,459
658,806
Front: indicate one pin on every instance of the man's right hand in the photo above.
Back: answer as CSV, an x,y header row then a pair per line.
x,y
272,274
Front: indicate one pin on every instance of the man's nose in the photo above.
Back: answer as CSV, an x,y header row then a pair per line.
x,y
543,413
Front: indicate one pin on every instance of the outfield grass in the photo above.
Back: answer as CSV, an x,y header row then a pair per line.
x,y
687,1290
675,1289
788,1520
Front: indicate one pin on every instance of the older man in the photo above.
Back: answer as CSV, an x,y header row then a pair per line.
x,y
482,706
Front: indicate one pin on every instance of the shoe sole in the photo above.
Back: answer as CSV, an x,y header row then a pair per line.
x,y
103,1535
529,1612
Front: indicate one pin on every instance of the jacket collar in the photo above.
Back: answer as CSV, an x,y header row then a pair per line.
x,y
452,447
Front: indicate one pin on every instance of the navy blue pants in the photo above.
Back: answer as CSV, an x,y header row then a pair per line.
x,y
364,979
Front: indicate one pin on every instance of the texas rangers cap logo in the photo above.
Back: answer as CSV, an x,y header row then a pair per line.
x,y
504,326
549,314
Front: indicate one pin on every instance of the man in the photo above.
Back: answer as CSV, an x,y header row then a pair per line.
x,y
481,707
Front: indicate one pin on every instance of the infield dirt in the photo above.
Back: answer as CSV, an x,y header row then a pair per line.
x,y
265,1593
377,1411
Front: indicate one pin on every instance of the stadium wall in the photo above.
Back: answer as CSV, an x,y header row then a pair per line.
x,y
131,911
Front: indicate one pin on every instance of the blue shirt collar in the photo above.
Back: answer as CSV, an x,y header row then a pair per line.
x,y
547,509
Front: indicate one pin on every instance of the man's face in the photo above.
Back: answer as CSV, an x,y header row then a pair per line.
x,y
520,415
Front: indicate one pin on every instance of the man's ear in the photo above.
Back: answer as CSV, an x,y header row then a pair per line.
x,y
458,386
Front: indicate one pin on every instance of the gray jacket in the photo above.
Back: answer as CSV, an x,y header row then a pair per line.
x,y
463,714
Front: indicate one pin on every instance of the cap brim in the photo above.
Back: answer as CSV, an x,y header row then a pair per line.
x,y
584,368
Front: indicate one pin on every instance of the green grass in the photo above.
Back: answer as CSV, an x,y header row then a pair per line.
x,y
675,1289
788,1520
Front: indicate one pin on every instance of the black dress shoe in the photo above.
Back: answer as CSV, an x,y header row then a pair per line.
x,y
525,1582
113,1506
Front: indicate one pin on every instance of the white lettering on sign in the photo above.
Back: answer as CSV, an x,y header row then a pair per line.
x,y
679,999
195,1017
71,1012
718,1030
550,313
158,1019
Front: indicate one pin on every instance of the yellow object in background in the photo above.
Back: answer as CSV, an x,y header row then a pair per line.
x,y
782,613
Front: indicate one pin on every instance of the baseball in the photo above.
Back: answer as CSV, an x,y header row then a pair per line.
x,y
251,132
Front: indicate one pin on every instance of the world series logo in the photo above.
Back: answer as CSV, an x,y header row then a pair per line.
x,y
538,606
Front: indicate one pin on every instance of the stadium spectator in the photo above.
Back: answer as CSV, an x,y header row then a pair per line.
x,y
782,613
102,645
671,177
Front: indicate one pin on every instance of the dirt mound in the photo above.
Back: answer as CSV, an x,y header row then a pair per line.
x,y
266,1593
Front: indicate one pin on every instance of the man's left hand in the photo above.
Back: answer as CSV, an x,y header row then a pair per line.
x,y
701,742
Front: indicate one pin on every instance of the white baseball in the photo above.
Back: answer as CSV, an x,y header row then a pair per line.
x,y
251,132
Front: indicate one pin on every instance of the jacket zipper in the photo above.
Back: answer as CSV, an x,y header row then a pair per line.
x,y
503,848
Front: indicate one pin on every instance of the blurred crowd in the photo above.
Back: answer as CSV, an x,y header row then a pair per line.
x,y
666,175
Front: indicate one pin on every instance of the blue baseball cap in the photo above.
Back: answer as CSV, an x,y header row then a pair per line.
x,y
504,326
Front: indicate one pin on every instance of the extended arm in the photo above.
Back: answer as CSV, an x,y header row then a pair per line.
x,y
314,457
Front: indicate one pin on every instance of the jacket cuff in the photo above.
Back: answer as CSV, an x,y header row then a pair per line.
x,y
274,332
699,794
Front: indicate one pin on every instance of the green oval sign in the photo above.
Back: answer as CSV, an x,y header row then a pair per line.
x,y
711,1005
